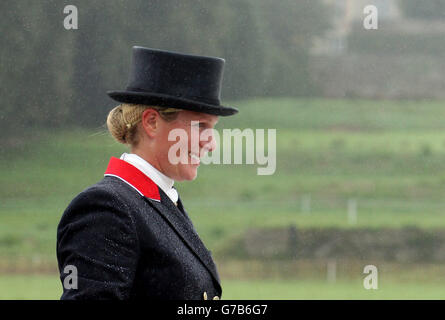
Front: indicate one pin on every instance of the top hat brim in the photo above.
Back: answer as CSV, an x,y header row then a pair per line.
x,y
163,100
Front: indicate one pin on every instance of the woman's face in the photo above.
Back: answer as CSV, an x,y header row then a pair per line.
x,y
191,124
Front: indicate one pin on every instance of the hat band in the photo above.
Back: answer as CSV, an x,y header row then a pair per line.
x,y
195,98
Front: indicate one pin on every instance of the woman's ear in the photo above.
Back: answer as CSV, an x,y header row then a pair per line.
x,y
150,118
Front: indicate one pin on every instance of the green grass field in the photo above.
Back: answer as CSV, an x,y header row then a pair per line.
x,y
389,156
45,287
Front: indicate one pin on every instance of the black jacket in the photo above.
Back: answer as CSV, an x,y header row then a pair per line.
x,y
128,240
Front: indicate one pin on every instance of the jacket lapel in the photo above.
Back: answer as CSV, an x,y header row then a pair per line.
x,y
183,226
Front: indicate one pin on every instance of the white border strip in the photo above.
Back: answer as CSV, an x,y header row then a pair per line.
x,y
113,175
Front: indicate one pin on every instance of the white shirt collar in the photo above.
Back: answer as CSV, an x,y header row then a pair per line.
x,y
161,180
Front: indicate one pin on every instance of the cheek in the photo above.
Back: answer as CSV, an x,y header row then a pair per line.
x,y
193,137
164,146
179,147
182,145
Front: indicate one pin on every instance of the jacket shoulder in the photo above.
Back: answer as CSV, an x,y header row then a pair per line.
x,y
108,197
109,189
97,234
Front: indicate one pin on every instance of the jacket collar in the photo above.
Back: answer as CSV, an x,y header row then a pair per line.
x,y
161,180
134,177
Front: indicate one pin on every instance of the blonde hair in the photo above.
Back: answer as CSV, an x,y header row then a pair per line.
x,y
123,120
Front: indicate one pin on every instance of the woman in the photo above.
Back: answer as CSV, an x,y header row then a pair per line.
x,y
129,236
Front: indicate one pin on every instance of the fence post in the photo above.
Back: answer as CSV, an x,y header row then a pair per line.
x,y
332,271
306,204
352,211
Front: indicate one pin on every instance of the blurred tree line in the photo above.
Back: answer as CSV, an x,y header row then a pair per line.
x,y
431,9
52,77
391,39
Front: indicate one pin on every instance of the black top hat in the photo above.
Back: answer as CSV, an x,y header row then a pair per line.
x,y
175,80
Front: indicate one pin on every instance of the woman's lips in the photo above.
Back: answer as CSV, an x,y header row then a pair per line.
x,y
195,159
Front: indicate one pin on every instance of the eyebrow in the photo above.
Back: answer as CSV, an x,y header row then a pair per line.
x,y
207,121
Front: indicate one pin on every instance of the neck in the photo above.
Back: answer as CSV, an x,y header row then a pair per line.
x,y
150,157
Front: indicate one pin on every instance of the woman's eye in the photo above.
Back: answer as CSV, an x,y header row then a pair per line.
x,y
201,125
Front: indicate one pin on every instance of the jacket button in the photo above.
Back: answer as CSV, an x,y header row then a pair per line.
x,y
205,295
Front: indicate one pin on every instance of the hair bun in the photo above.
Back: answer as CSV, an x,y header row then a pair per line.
x,y
116,125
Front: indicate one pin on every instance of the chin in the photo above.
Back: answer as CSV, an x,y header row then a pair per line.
x,y
185,173
190,175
